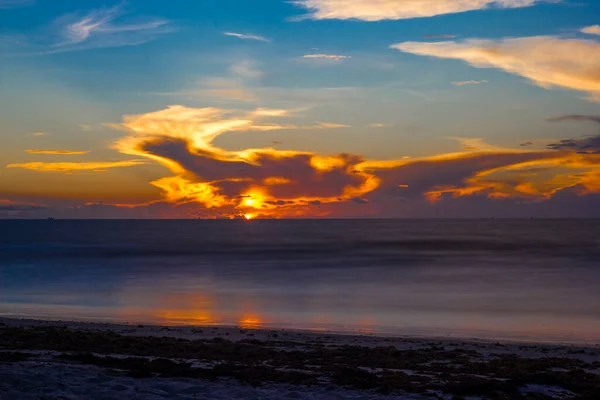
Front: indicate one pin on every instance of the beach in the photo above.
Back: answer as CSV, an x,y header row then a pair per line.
x,y
373,309
83,360
300,199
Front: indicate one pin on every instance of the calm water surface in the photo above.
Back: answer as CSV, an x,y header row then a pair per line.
x,y
505,279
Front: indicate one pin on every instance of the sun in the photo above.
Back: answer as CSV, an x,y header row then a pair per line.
x,y
248,216
253,198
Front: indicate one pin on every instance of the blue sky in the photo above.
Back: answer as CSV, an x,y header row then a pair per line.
x,y
383,81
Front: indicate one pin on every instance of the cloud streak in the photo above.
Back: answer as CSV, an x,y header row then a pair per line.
x,y
376,10
547,61
16,208
439,36
463,83
56,152
5,4
329,57
99,28
68,167
11,204
248,36
576,117
589,145
102,28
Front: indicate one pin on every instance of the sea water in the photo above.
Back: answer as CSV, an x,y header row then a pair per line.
x,y
493,279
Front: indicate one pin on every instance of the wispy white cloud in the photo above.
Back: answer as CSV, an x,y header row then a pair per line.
x,y
246,69
547,61
15,3
105,27
592,30
439,36
376,10
244,36
463,83
331,57
39,134
99,28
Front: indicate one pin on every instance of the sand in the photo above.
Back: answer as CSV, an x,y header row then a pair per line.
x,y
82,360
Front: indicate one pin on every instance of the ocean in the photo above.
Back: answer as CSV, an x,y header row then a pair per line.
x,y
492,279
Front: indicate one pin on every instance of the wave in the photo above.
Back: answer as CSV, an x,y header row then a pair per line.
x,y
406,247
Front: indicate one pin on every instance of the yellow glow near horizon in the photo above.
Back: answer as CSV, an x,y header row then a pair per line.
x,y
212,182
251,322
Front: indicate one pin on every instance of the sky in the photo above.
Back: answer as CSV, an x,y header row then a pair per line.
x,y
300,109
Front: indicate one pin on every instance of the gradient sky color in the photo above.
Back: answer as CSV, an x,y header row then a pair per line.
x,y
294,109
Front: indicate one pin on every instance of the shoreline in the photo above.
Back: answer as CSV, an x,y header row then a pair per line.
x,y
186,331
263,332
426,334
279,361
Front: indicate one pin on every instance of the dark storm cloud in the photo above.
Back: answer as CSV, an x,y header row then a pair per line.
x,y
425,175
300,176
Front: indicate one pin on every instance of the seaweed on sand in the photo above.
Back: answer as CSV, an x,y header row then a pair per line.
x,y
428,370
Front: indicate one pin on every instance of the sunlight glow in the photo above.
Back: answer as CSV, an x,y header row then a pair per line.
x,y
251,322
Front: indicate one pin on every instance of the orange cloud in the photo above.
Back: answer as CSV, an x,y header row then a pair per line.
x,y
276,180
11,205
491,172
73,166
592,30
56,152
251,181
274,183
535,180
547,61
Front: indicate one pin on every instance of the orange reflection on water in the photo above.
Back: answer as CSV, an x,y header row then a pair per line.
x,y
251,321
187,316
187,308
320,323
365,325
